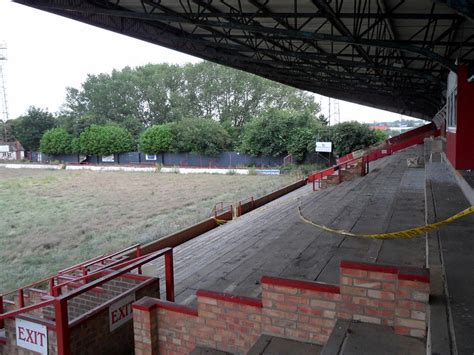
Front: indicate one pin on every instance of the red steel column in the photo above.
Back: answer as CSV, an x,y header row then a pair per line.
x,y
21,298
62,327
51,287
2,324
460,150
169,276
138,254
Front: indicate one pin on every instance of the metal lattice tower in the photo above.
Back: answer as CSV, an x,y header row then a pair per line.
x,y
3,90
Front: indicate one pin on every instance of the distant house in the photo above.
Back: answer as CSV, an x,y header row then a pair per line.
x,y
11,151
378,127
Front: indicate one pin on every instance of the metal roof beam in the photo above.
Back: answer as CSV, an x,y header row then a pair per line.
x,y
464,7
303,35
325,8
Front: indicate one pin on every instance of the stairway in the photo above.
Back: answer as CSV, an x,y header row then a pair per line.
x,y
347,338
351,338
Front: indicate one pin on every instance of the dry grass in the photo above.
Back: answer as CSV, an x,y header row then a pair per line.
x,y
52,219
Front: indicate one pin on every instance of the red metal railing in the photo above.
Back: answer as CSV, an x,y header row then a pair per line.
x,y
319,175
392,145
53,283
401,141
60,301
221,207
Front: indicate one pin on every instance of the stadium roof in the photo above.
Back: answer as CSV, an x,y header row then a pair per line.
x,y
390,54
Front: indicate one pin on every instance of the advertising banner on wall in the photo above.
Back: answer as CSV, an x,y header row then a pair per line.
x,y
108,158
324,147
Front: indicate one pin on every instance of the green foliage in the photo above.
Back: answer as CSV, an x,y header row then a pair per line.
x,y
104,140
76,145
202,136
350,136
56,141
29,129
279,132
158,93
299,141
157,139
381,135
301,169
6,131
323,120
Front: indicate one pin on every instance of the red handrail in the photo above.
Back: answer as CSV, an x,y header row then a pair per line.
x,y
167,252
318,176
84,276
98,260
25,309
98,282
70,268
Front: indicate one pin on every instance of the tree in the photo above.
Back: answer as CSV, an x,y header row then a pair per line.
x,y
104,140
202,136
6,131
299,141
350,136
278,132
380,135
160,93
29,129
56,141
157,139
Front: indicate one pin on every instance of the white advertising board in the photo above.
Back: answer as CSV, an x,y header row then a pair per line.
x,y
324,147
31,336
4,148
108,158
121,311
150,156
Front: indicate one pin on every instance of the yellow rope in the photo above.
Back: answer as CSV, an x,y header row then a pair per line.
x,y
408,233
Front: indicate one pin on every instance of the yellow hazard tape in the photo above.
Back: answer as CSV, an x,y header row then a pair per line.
x,y
220,221
408,233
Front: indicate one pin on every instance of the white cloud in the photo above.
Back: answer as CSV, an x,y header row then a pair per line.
x,y
47,53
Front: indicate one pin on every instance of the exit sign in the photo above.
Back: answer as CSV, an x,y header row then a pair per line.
x,y
31,336
121,312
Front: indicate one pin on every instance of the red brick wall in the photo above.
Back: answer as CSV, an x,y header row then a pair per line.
x,y
388,295
10,347
92,332
94,298
301,310
347,172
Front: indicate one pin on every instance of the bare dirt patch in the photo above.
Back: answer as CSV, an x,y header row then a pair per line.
x,y
53,219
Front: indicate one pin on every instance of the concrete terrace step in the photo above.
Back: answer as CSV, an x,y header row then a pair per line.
x,y
271,345
352,338
201,350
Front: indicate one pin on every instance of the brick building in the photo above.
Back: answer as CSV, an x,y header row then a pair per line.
x,y
11,151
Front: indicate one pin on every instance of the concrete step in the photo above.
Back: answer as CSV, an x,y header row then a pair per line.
x,y
201,350
271,345
354,338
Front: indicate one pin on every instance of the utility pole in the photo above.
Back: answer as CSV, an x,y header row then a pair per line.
x,y
338,112
329,115
3,90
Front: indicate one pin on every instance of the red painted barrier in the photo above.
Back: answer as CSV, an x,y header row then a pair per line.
x,y
394,144
318,176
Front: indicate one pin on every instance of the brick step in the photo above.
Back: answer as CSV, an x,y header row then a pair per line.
x,y
352,337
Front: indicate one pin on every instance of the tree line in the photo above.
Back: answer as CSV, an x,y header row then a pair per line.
x,y
203,108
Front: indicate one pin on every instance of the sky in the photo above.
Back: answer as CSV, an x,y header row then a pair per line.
x,y
47,53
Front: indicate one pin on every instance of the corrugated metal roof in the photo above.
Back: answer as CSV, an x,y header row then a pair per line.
x,y
389,54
